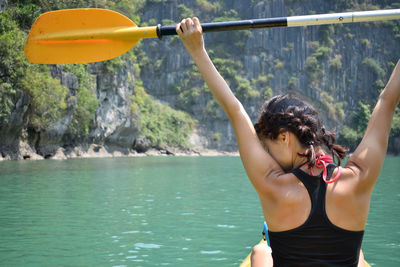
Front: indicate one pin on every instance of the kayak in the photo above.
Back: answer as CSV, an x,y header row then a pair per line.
x,y
247,262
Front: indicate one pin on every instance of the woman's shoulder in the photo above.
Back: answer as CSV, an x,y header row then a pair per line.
x,y
286,187
349,183
347,204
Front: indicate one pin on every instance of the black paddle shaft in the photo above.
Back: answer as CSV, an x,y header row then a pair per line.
x,y
229,25
294,21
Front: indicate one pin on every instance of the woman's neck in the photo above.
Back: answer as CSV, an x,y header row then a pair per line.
x,y
300,161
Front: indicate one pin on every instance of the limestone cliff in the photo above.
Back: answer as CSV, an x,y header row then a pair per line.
x,y
334,67
3,5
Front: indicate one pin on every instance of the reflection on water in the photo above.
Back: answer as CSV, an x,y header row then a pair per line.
x,y
177,211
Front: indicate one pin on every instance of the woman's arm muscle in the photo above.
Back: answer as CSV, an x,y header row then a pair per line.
x,y
368,158
257,162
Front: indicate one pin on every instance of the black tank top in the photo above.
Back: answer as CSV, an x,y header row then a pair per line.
x,y
317,242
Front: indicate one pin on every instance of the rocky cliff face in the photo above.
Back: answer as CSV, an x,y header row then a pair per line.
x,y
326,65
113,123
112,126
285,56
3,5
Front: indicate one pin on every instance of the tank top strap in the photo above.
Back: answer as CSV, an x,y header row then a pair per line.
x,y
316,187
320,205
330,168
310,182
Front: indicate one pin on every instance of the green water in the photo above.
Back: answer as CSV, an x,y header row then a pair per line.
x,y
153,211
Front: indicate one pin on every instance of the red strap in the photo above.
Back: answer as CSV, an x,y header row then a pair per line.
x,y
321,161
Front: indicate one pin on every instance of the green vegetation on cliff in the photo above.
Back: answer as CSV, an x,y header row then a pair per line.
x,y
326,73
86,100
18,77
352,133
159,122
48,99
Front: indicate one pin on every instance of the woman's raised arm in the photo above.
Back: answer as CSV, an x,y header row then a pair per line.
x,y
257,162
368,158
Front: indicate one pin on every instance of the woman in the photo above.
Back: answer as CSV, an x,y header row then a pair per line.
x,y
316,212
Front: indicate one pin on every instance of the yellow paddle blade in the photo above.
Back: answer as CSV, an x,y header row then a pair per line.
x,y
82,36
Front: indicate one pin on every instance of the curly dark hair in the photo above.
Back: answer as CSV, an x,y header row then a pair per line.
x,y
288,113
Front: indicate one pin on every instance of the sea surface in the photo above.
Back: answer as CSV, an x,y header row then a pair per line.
x,y
153,211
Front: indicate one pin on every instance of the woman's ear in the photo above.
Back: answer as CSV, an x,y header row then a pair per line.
x,y
284,137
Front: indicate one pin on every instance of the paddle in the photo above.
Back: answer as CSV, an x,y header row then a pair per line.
x,y
90,35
